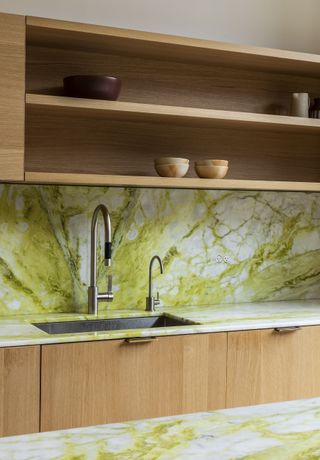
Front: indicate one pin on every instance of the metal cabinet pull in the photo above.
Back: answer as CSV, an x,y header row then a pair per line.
x,y
141,340
283,330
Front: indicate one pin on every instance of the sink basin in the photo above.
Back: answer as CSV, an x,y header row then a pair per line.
x,y
114,324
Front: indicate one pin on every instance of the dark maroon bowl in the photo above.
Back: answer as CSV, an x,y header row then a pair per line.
x,y
92,86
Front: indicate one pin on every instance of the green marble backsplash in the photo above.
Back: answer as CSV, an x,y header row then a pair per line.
x,y
271,242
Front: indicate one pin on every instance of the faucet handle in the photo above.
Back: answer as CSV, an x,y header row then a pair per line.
x,y
106,296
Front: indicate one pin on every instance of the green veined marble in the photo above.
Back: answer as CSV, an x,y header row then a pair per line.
x,y
280,431
272,240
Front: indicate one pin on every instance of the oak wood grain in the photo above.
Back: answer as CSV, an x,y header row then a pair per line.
x,y
163,82
19,390
101,382
89,145
265,366
180,97
164,182
101,38
185,116
12,96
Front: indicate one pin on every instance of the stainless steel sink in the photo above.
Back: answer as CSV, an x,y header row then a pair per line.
x,y
114,324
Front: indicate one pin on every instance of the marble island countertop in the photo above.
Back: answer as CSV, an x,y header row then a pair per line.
x,y
279,431
19,330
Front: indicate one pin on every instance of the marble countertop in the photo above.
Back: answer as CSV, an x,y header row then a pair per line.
x,y
18,330
280,431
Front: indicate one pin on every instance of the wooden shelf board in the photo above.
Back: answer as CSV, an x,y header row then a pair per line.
x,y
170,114
64,34
168,182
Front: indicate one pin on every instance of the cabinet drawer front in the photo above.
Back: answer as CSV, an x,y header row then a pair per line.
x,y
19,390
109,381
273,365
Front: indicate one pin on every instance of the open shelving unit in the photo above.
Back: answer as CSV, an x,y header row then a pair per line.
x,y
180,97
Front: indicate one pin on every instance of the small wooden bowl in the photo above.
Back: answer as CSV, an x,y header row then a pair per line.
x,y
92,86
172,170
211,172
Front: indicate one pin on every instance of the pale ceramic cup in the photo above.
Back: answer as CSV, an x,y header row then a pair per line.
x,y
172,170
170,160
211,172
300,103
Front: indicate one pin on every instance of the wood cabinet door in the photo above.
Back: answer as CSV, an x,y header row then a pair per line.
x,y
111,381
267,366
19,390
12,96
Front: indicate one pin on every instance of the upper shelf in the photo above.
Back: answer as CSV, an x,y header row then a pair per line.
x,y
63,34
170,114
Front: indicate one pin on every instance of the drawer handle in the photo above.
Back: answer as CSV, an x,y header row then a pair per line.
x,y
141,340
283,330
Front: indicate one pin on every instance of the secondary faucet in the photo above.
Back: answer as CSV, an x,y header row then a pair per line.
x,y
93,294
151,302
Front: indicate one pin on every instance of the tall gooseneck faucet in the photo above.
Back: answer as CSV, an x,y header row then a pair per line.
x,y
93,295
151,302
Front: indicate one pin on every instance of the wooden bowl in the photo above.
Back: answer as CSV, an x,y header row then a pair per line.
x,y
170,160
212,163
211,172
172,170
92,86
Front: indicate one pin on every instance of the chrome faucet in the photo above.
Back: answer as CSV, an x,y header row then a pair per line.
x,y
151,302
93,295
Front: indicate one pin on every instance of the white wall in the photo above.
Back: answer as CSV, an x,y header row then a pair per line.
x,y
287,24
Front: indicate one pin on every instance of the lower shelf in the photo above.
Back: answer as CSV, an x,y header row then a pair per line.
x,y
167,182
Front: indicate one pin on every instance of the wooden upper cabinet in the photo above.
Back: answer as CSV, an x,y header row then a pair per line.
x,y
178,94
112,381
19,390
12,96
268,366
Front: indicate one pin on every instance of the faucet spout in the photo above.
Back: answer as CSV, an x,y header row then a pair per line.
x,y
93,295
151,302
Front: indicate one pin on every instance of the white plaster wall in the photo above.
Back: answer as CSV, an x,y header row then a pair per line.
x,y
287,24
